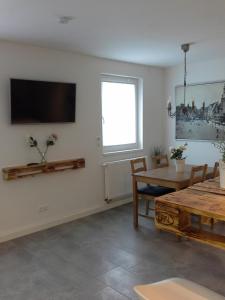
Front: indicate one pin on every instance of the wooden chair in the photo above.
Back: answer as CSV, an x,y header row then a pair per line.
x,y
198,174
195,178
160,161
215,172
138,165
148,192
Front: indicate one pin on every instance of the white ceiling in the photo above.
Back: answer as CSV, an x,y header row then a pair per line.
x,y
141,31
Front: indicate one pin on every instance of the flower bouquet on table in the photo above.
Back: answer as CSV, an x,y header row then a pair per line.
x,y
177,154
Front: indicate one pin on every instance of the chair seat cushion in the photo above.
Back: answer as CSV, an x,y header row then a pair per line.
x,y
155,190
176,289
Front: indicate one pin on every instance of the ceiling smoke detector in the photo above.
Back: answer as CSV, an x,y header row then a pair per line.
x,y
65,19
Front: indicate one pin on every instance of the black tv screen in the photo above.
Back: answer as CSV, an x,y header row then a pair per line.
x,y
42,101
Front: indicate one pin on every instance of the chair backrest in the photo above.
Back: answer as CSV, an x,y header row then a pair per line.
x,y
138,165
215,172
198,174
160,161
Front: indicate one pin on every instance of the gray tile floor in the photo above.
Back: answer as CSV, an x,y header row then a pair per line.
x,y
101,257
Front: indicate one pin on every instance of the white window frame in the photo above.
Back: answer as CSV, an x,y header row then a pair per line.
x,y
139,113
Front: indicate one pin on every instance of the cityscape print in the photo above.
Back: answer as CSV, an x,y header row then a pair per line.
x,y
204,117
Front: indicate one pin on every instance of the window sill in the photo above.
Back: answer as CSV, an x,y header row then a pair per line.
x,y
114,153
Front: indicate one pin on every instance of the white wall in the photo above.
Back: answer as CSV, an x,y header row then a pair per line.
x,y
198,152
71,193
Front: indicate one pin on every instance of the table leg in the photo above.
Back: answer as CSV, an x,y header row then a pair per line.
x,y
135,203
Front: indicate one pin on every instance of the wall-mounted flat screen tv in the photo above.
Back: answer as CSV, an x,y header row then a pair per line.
x,y
42,101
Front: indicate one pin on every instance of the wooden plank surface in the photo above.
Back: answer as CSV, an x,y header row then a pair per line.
x,y
16,172
41,165
208,190
209,186
206,237
197,202
206,199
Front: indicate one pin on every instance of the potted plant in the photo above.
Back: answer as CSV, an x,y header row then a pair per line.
x,y
220,145
177,154
157,151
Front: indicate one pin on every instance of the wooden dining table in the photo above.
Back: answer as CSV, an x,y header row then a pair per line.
x,y
206,200
166,176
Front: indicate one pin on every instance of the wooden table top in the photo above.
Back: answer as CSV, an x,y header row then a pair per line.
x,y
209,186
199,199
169,173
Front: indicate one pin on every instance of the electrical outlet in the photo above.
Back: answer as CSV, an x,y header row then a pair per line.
x,y
43,209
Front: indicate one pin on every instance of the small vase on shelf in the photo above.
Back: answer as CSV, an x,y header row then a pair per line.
x,y
180,165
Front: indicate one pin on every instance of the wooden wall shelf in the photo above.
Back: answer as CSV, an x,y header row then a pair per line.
x,y
44,168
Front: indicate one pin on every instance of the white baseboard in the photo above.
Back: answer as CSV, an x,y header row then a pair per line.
x,y
31,229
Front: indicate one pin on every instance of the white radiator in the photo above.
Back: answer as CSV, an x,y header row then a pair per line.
x,y
118,181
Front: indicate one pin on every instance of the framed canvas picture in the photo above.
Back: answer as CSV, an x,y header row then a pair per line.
x,y
205,118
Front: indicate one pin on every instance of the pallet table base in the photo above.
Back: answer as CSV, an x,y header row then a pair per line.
x,y
173,214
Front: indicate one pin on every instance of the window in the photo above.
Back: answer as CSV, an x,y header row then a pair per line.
x,y
120,113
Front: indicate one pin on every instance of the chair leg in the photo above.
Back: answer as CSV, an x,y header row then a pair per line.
x,y
179,238
200,222
211,223
147,208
